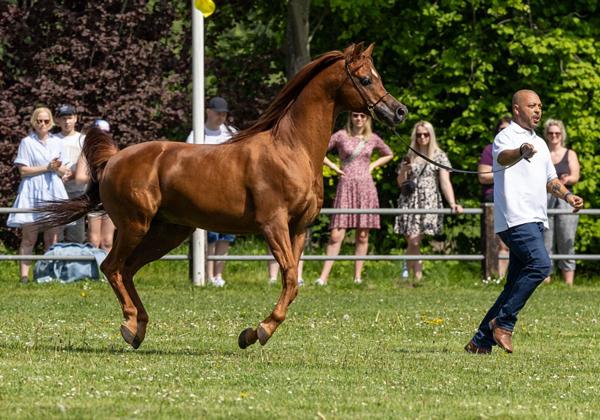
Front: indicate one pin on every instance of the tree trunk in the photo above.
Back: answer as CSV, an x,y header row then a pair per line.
x,y
298,50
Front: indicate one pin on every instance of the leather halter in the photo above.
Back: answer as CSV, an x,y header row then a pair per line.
x,y
370,106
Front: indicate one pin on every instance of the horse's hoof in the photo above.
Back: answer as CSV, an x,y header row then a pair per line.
x,y
136,342
246,338
263,335
129,337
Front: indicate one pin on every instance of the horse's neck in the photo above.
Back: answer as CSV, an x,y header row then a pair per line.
x,y
312,116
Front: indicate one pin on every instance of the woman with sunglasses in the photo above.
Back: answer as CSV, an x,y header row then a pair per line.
x,y
429,179
356,188
560,236
39,163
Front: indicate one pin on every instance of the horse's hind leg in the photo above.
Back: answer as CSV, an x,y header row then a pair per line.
x,y
287,253
126,239
160,239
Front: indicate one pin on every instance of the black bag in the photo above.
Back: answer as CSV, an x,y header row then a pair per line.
x,y
408,187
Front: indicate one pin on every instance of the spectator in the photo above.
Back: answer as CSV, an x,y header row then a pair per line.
x,y
428,180
66,118
486,179
216,128
560,235
356,188
520,216
39,161
101,229
216,131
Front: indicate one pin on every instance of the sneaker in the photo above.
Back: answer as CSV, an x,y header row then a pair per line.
x,y
272,281
218,282
320,282
357,280
300,282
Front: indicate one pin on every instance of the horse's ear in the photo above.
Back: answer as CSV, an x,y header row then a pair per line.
x,y
353,51
359,49
349,50
369,50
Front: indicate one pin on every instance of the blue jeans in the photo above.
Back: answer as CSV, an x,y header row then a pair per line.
x,y
529,264
215,236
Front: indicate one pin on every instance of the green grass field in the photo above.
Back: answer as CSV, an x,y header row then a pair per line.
x,y
378,350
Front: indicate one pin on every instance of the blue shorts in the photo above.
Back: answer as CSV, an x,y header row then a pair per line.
x,y
215,236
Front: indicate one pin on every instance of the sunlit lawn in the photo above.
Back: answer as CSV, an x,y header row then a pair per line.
x,y
379,350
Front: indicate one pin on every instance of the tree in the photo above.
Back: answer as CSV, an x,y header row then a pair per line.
x,y
298,48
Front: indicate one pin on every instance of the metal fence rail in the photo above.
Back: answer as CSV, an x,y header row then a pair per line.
x,y
329,211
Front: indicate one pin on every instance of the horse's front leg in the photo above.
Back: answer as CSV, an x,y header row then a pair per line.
x,y
287,253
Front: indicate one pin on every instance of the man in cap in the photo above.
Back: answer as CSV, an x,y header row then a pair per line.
x,y
72,140
216,129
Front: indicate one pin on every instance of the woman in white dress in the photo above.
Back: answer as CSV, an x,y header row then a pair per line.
x,y
41,169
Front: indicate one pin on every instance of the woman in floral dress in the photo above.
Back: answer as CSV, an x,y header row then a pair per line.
x,y
356,188
429,179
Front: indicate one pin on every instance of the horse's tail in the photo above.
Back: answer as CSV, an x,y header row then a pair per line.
x,y
98,148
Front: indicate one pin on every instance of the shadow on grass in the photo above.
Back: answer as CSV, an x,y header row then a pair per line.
x,y
422,350
44,348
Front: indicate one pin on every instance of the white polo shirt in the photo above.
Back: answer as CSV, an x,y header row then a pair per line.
x,y
72,146
218,136
520,194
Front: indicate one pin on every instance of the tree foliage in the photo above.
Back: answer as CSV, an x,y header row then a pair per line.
x,y
121,61
455,63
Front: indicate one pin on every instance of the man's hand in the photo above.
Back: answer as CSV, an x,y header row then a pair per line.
x,y
527,151
575,201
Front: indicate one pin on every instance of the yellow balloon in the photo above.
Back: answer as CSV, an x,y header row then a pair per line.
x,y
207,7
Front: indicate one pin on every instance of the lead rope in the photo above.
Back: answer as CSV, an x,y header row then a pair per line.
x,y
448,168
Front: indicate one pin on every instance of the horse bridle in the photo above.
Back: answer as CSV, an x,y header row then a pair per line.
x,y
371,108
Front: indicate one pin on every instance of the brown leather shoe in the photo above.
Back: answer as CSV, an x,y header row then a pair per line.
x,y
502,336
471,347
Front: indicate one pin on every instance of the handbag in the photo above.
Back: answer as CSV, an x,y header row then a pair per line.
x,y
409,186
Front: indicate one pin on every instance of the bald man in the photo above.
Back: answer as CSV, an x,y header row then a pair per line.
x,y
520,217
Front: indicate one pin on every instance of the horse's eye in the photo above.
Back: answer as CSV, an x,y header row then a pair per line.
x,y
365,81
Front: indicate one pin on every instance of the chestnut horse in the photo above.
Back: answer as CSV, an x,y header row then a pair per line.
x,y
267,179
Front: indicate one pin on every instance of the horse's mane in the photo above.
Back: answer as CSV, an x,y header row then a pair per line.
x,y
277,109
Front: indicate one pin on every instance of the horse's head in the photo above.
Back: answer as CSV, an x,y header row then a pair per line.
x,y
364,92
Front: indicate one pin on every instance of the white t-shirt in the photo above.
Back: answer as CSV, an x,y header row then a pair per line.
x,y
520,194
72,145
218,136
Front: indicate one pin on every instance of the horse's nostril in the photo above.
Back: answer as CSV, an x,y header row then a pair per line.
x,y
401,113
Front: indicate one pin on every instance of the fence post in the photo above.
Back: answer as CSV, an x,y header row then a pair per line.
x,y
489,242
